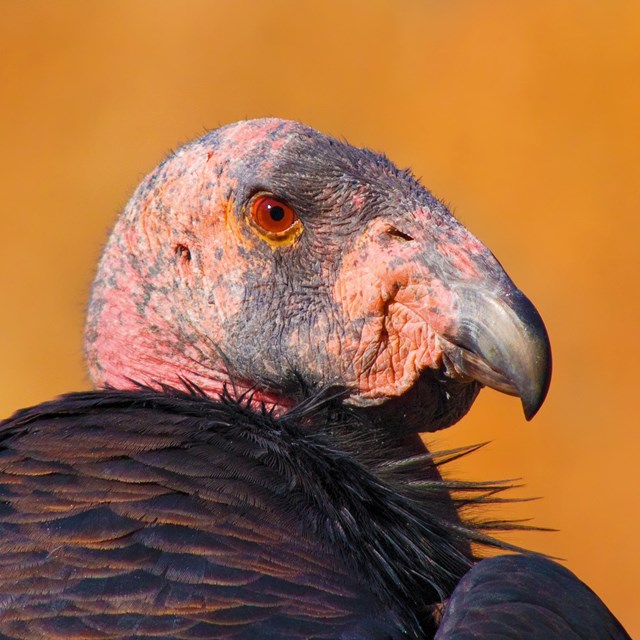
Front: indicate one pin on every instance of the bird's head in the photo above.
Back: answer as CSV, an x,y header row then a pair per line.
x,y
273,256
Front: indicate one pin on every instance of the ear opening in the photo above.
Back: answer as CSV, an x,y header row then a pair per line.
x,y
183,253
183,259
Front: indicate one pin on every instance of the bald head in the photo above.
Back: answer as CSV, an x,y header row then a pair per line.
x,y
269,254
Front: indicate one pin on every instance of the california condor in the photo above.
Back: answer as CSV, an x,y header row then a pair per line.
x,y
276,316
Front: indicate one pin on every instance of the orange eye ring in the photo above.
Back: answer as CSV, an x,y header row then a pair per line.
x,y
273,217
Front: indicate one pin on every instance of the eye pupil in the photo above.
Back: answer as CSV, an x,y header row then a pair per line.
x,y
277,213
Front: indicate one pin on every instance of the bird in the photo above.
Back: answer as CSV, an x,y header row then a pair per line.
x,y
276,318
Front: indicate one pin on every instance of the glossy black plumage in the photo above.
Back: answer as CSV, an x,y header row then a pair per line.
x,y
127,513
140,514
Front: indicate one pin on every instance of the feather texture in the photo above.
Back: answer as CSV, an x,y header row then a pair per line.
x,y
164,514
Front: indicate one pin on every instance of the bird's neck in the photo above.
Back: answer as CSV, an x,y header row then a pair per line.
x,y
129,345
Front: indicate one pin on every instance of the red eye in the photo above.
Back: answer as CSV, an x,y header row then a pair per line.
x,y
272,215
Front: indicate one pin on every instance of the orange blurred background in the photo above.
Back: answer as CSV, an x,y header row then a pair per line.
x,y
524,116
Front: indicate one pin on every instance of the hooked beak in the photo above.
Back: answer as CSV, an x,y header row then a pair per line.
x,y
501,342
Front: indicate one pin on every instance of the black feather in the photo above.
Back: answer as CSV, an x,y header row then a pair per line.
x,y
304,507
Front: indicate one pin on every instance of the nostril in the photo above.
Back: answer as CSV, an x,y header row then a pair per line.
x,y
396,233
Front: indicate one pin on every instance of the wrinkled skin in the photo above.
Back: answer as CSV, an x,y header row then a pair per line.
x,y
368,297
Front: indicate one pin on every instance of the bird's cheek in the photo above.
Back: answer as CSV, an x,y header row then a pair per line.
x,y
393,316
392,350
